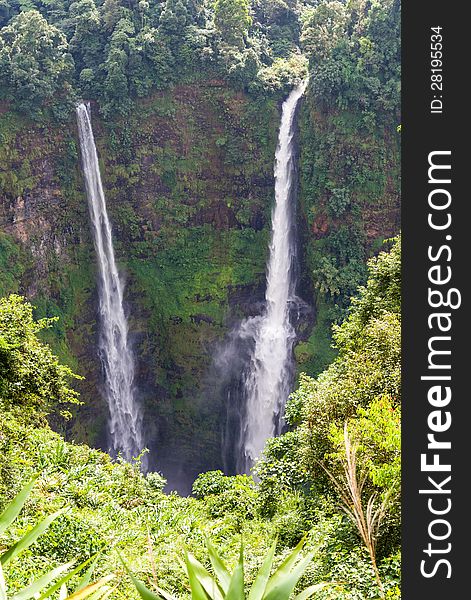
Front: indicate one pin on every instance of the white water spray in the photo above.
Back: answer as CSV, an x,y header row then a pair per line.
x,y
268,380
125,417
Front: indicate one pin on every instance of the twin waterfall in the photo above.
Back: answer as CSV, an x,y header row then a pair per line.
x,y
267,381
260,352
125,418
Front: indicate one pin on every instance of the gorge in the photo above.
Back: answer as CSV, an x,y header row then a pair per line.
x,y
268,372
191,224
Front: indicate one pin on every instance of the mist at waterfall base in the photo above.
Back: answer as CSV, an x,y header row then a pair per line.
x,y
125,415
256,364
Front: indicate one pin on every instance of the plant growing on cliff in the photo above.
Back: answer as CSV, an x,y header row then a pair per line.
x,y
232,20
323,28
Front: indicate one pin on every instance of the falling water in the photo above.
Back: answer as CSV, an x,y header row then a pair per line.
x,y
125,418
268,378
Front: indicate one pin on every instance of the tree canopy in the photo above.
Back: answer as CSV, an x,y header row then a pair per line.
x,y
31,377
34,60
115,51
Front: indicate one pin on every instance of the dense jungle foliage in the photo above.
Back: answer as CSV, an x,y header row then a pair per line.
x,y
187,161
51,53
55,51
302,482
185,97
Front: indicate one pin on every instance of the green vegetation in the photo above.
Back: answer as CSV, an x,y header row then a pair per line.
x,y
350,145
11,264
349,415
185,100
117,52
188,177
34,61
232,21
41,587
223,584
189,183
30,375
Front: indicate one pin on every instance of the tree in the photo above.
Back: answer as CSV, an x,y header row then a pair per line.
x,y
116,88
174,18
86,44
34,61
232,20
368,365
354,52
159,62
31,377
324,27
111,12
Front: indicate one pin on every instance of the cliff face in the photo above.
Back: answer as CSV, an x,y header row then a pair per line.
x,y
349,203
189,185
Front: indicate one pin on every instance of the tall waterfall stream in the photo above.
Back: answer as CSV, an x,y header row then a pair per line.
x,y
259,352
267,382
125,416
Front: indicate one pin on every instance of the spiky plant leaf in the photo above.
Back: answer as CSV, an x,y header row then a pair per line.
x,y
197,590
310,591
259,585
143,591
219,568
37,586
102,593
29,538
284,569
236,586
62,582
86,577
207,581
282,587
93,588
13,509
165,595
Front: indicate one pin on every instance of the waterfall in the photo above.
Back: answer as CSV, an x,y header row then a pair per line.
x,y
268,378
125,417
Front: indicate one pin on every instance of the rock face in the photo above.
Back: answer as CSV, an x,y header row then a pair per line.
x,y
349,204
189,185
